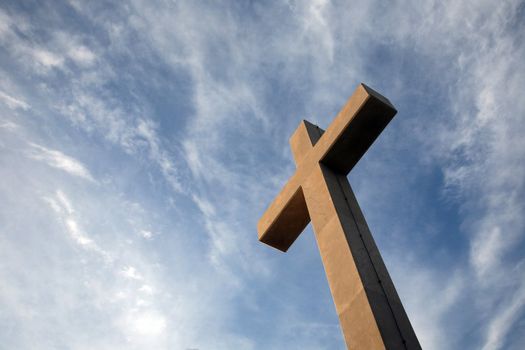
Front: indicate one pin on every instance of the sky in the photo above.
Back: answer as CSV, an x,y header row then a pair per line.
x,y
140,142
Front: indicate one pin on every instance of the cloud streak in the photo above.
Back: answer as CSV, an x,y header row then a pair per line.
x,y
59,160
13,102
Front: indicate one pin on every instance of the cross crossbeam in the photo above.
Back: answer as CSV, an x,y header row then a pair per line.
x,y
369,309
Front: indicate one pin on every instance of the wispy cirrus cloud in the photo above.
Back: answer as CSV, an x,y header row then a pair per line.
x,y
13,102
59,160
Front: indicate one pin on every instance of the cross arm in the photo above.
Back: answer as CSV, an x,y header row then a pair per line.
x,y
354,129
285,218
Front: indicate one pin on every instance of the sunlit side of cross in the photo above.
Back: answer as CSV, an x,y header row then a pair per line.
x,y
370,312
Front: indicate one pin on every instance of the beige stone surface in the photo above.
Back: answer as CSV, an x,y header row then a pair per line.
x,y
370,312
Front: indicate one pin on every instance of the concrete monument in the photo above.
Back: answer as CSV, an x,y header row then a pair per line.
x,y
370,312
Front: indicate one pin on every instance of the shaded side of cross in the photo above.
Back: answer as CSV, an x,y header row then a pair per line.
x,y
370,312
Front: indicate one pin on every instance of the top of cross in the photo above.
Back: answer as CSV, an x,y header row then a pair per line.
x,y
340,147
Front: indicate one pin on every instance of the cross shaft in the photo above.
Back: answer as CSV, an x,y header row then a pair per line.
x,y
370,312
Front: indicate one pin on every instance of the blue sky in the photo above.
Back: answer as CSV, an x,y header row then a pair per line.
x,y
141,141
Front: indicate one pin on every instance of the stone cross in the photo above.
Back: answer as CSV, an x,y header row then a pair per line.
x,y
370,312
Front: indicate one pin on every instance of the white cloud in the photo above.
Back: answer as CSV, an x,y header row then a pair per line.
x,y
149,324
504,319
13,102
481,153
77,235
147,289
147,131
5,22
46,58
42,58
70,266
59,160
66,204
9,126
480,146
132,132
62,206
146,234
82,55
131,273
